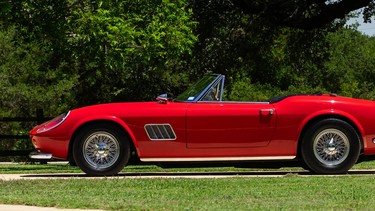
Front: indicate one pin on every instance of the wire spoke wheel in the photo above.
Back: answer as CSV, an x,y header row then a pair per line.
x,y
101,150
331,147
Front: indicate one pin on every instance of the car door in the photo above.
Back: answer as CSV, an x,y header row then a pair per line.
x,y
229,124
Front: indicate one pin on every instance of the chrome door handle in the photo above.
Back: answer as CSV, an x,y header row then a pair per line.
x,y
267,111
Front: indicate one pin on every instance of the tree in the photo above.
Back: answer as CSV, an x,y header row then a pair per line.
x,y
120,50
27,81
275,59
350,70
304,14
129,50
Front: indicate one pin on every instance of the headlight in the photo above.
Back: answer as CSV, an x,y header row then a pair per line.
x,y
53,123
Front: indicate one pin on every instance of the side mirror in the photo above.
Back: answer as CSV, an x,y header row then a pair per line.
x,y
164,98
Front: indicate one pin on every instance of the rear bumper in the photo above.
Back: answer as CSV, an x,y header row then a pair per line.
x,y
40,156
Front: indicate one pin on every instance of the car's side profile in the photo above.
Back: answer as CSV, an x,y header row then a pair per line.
x,y
324,133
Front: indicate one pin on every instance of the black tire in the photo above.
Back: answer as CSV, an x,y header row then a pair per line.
x,y
331,146
101,149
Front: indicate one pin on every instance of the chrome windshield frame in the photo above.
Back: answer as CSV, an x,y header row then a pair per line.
x,y
199,97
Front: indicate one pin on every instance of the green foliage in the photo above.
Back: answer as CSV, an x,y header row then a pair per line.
x,y
244,90
135,50
58,55
27,81
274,59
125,49
351,67
118,50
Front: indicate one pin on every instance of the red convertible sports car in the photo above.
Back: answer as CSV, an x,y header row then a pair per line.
x,y
323,133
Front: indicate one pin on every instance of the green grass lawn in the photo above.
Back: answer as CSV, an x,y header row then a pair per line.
x,y
291,192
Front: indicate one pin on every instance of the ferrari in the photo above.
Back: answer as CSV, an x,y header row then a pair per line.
x,y
323,133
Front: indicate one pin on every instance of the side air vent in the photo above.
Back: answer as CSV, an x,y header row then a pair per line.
x,y
160,132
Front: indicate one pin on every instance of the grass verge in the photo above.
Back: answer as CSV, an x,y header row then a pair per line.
x,y
65,168
290,193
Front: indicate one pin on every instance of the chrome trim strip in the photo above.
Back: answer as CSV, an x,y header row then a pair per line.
x,y
203,93
64,116
218,159
220,79
234,102
222,89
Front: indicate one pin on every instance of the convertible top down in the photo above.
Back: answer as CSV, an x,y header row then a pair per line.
x,y
324,133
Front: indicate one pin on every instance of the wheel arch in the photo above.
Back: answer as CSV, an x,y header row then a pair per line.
x,y
346,118
122,126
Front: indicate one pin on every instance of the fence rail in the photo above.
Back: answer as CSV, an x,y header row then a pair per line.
x,y
39,119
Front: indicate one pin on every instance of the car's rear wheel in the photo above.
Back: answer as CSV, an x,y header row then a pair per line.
x,y
331,146
101,149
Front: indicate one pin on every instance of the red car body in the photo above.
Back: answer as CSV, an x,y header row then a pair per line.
x,y
213,131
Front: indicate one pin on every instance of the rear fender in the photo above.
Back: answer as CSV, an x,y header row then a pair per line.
x,y
332,113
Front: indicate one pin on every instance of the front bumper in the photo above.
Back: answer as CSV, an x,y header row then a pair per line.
x,y
40,156
57,147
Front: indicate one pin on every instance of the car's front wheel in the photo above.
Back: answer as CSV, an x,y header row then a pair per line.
x,y
331,146
101,149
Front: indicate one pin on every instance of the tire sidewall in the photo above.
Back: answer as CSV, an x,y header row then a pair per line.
x,y
307,147
121,161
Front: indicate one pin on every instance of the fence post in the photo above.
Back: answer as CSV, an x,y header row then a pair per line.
x,y
39,116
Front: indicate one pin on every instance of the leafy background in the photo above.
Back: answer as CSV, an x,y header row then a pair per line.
x,y
59,55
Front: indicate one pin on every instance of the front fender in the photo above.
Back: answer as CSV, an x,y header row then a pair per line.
x,y
92,118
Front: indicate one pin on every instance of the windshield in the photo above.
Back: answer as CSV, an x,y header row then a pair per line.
x,y
194,90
